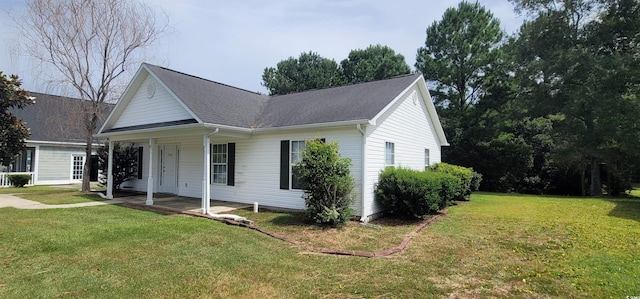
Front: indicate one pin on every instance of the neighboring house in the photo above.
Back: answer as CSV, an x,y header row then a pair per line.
x,y
208,140
55,150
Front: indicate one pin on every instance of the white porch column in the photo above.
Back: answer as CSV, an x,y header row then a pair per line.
x,y
152,145
110,172
206,175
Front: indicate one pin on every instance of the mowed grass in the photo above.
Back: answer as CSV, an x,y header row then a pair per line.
x,y
493,246
51,195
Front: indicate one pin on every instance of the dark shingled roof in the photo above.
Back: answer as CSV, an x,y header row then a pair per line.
x,y
213,102
55,118
344,103
217,103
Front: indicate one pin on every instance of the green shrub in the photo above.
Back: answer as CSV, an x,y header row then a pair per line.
x,y
411,193
327,183
19,180
465,176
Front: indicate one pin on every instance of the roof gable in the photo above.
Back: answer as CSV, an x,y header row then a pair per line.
x,y
151,99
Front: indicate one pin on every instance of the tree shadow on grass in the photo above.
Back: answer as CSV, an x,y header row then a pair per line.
x,y
626,208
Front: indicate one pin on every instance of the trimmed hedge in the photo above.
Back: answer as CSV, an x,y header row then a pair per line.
x,y
469,180
19,180
411,193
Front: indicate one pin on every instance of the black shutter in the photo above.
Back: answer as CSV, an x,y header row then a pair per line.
x,y
140,158
231,164
284,164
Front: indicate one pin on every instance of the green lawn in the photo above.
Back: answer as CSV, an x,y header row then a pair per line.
x,y
494,246
52,195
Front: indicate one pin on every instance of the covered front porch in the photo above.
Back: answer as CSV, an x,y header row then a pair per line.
x,y
176,166
184,204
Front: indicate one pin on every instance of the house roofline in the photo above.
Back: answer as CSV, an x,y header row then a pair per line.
x,y
59,142
315,125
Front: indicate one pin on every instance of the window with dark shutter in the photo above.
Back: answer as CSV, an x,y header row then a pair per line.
x,y
140,158
284,164
231,164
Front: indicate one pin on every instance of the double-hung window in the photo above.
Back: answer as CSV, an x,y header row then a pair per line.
x,y
426,158
219,163
389,154
297,146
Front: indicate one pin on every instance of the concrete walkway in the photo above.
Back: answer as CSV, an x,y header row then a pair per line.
x,y
7,200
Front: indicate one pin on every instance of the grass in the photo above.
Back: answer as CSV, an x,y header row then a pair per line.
x,y
51,195
494,246
353,236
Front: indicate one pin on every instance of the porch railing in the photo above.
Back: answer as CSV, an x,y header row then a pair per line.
x,y
4,178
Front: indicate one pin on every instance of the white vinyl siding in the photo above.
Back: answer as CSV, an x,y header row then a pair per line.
x,y
219,163
407,125
162,107
55,163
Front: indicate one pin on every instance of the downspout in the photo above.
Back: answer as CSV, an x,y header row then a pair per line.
x,y
363,218
206,187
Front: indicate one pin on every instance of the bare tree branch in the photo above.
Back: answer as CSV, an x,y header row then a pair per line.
x,y
92,44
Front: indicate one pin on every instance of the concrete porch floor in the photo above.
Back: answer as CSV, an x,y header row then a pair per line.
x,y
186,203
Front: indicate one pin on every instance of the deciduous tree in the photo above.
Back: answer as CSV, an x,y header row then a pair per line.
x,y
309,71
92,45
373,63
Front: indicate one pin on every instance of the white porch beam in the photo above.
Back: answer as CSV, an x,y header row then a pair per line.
x,y
110,171
206,175
152,145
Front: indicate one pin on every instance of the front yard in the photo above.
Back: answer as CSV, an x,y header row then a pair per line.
x,y
494,246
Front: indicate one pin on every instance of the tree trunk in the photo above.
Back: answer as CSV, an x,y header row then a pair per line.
x,y
583,188
86,171
596,184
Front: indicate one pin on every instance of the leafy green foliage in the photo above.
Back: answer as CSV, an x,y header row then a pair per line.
x,y
373,63
312,71
465,177
411,193
459,52
13,131
327,183
309,71
125,163
19,180
579,61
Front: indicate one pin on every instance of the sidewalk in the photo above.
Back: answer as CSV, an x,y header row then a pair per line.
x,y
7,200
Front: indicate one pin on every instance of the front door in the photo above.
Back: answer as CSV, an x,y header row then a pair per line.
x,y
168,177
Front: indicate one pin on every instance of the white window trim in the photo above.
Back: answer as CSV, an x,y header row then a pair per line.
x,y
386,153
73,158
225,164
291,162
427,157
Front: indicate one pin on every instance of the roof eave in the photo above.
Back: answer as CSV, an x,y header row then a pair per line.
x,y
315,125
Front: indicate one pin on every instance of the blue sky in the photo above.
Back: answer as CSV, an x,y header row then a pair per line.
x,y
233,41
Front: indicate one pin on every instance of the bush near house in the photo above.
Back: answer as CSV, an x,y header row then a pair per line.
x,y
411,193
125,163
19,180
327,183
469,180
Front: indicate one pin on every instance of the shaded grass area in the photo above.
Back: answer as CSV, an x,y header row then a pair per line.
x,y
51,195
494,246
385,233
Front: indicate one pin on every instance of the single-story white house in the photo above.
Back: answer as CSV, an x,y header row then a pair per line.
x,y
208,140
55,150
